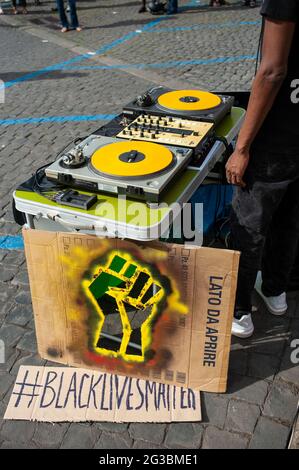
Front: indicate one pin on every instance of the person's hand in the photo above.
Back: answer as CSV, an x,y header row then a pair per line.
x,y
236,167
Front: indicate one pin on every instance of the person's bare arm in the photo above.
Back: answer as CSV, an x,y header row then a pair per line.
x,y
277,41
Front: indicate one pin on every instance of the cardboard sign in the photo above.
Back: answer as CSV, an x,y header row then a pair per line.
x,y
68,394
152,311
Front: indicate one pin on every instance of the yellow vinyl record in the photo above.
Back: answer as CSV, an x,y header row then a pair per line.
x,y
131,159
189,100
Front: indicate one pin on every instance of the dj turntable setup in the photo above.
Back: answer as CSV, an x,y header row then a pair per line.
x,y
196,105
160,149
141,170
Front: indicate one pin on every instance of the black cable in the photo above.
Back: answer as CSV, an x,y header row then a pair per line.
x,y
228,151
38,187
36,175
227,146
217,205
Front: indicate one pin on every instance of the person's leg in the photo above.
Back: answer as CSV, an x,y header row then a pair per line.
x,y
281,244
172,7
250,243
62,15
14,6
24,6
142,9
73,13
252,211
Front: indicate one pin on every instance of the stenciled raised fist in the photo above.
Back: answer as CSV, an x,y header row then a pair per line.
x,y
127,296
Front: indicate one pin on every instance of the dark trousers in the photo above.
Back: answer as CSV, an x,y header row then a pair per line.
x,y
265,223
21,3
172,6
73,13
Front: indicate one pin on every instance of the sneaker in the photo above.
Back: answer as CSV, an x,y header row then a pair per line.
x,y
276,305
243,327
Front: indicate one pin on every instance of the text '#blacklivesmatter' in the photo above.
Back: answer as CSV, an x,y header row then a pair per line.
x,y
105,392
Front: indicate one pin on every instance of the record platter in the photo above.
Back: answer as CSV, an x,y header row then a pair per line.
x,y
140,170
197,105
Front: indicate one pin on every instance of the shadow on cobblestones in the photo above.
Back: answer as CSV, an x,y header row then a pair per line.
x,y
52,75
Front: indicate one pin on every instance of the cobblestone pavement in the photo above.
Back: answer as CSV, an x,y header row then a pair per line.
x,y
294,444
56,91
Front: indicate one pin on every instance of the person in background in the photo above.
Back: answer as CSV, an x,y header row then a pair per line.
x,y
63,18
22,4
265,169
217,3
172,7
142,9
250,3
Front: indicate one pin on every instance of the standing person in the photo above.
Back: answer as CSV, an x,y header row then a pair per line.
x,y
172,7
250,3
217,3
142,9
63,18
265,167
22,4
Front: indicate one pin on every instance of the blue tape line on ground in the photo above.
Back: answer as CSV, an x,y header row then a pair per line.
x,y
45,119
11,242
230,24
101,50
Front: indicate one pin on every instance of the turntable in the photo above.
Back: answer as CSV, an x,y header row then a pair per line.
x,y
197,105
140,170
